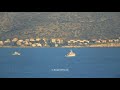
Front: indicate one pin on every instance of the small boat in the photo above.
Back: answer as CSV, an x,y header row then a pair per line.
x,y
70,54
16,53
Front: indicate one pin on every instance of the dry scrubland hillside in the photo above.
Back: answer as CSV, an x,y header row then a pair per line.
x,y
83,25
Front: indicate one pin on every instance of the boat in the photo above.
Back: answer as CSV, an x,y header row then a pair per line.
x,y
16,53
70,54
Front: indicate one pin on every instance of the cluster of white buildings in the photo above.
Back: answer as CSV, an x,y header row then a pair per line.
x,y
19,42
43,42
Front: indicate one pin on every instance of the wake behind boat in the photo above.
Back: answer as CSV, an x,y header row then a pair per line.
x,y
70,54
16,53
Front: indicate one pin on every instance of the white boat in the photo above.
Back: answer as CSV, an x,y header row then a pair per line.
x,y
16,53
70,54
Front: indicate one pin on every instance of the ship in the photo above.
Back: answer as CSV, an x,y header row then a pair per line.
x,y
70,54
16,53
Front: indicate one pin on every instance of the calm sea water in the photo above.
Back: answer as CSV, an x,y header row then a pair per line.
x,y
52,63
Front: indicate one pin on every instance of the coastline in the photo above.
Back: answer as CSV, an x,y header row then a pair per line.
x,y
64,47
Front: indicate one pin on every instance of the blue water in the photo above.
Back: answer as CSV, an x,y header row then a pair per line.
x,y
40,62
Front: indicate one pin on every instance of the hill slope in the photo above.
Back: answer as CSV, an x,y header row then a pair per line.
x,y
84,25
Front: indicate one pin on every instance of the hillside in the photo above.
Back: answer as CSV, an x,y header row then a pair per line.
x,y
83,25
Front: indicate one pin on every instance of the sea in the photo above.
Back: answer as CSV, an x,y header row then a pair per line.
x,y
52,63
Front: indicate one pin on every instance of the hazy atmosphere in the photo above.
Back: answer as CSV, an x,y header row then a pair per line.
x,y
59,45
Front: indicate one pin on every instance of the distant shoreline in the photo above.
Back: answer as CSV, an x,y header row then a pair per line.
x,y
64,47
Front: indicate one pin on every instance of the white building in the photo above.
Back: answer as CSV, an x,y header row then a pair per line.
x,y
37,39
33,45
38,44
32,39
53,40
14,39
20,41
1,43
